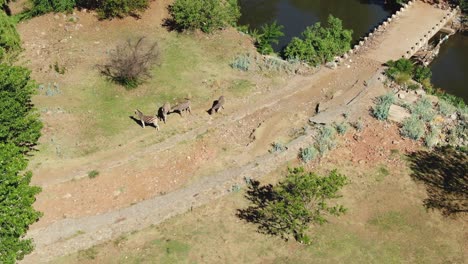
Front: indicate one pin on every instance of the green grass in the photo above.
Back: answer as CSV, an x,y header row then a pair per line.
x,y
88,254
382,173
390,221
240,87
93,174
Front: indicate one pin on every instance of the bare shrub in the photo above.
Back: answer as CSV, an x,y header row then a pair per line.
x,y
130,63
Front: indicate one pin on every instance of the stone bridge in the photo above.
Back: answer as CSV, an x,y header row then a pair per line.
x,y
403,33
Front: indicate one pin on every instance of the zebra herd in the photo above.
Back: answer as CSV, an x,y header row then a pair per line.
x,y
166,109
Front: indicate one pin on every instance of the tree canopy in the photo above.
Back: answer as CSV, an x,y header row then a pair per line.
x,y
319,44
206,15
288,208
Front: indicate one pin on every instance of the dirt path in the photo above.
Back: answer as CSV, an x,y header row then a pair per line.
x,y
68,235
278,111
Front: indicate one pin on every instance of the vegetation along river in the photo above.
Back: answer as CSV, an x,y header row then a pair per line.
x,y
450,69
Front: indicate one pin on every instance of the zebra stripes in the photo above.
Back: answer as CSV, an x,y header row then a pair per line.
x,y
144,119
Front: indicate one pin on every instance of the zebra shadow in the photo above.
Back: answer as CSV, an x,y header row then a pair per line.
x,y
139,122
210,111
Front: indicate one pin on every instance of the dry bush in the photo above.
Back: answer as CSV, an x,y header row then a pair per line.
x,y
130,63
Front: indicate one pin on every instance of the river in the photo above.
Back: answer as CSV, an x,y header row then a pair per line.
x,y
450,69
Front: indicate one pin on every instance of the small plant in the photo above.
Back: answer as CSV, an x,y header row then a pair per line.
x,y
325,140
423,109
308,154
341,128
277,147
413,128
382,172
93,174
358,125
446,108
130,64
242,62
413,86
382,106
58,69
89,254
432,137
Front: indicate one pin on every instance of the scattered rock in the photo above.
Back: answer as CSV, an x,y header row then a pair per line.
x,y
408,97
398,113
67,196
420,92
434,99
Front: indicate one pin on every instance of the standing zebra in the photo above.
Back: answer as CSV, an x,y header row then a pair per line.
x,y
144,119
164,111
185,106
217,105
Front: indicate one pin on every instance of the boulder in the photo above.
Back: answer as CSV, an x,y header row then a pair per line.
x,y
398,113
408,97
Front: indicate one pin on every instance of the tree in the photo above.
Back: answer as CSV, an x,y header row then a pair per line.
x,y
422,73
288,208
16,199
130,64
19,132
268,35
206,15
319,44
9,38
19,122
105,8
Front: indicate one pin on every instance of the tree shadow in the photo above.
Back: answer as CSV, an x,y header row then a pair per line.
x,y
170,24
260,196
444,171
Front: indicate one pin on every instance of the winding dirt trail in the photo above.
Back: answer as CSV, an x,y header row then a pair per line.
x,y
277,112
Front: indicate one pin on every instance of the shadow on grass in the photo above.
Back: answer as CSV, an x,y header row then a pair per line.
x,y
444,172
260,196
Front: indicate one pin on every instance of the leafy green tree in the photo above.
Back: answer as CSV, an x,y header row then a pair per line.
x,y
422,73
320,44
40,7
121,8
19,122
206,15
288,208
9,38
464,5
403,70
105,8
268,35
16,199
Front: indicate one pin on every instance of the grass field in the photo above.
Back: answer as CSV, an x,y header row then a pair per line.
x,y
386,223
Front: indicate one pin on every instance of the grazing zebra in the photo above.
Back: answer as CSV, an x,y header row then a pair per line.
x,y
164,111
185,106
217,104
144,119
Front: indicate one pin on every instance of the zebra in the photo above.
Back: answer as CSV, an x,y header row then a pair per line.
x,y
144,119
164,111
217,104
185,106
